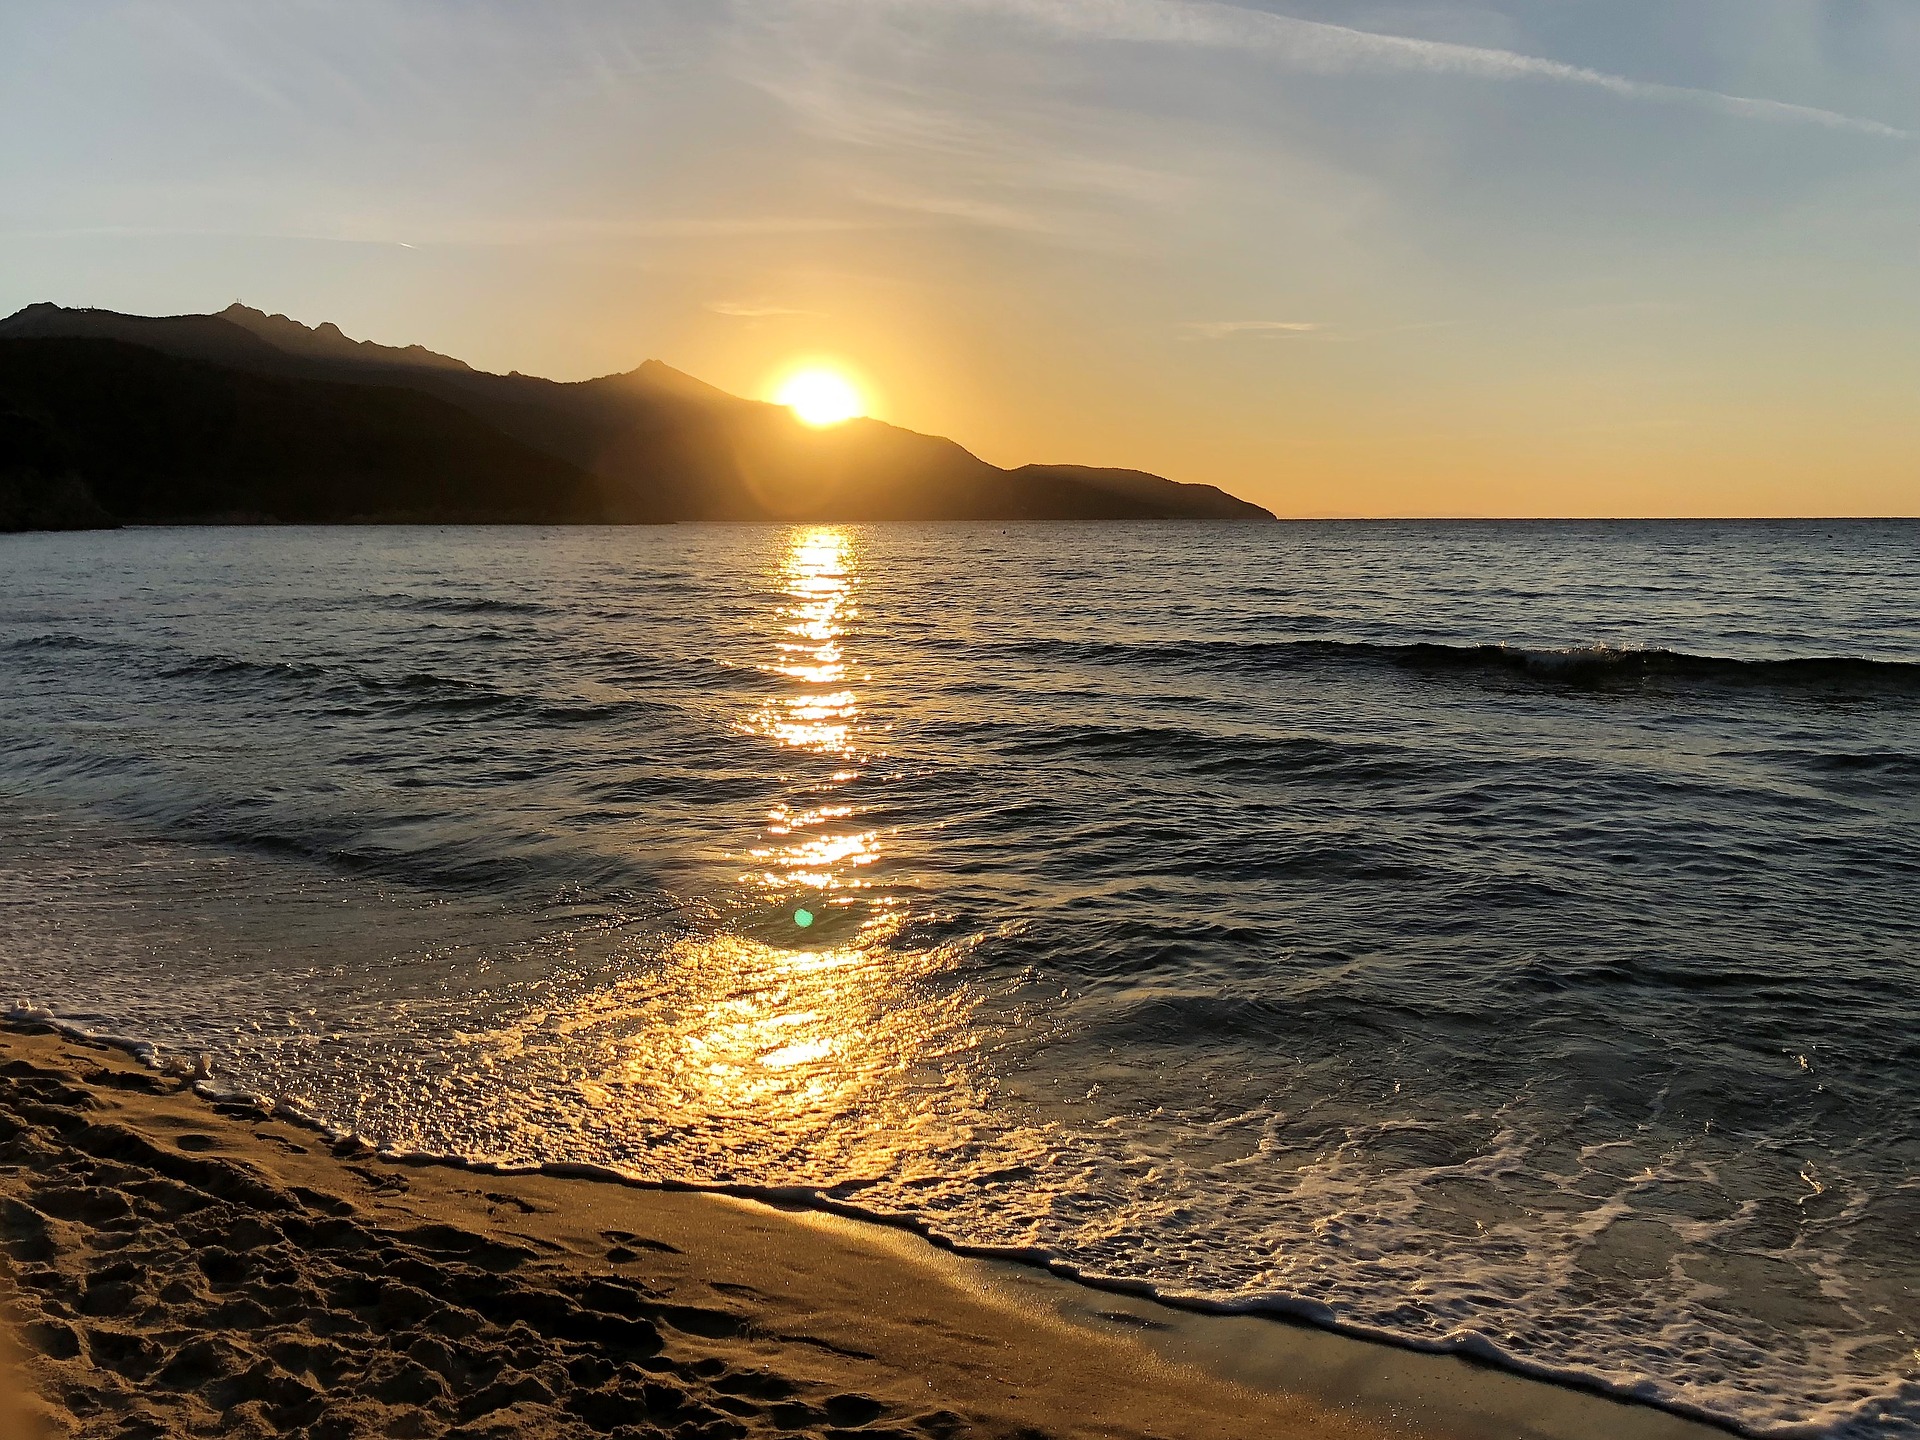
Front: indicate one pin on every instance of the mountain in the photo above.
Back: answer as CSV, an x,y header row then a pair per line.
x,y
38,487
325,342
384,432
148,436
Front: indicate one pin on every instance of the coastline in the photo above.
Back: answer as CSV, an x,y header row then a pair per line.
x,y
206,1268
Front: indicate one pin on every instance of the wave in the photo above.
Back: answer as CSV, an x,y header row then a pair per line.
x,y
1589,666
621,675
471,605
1571,667
1873,768
411,692
1600,664
444,850
1472,1343
60,641
657,587
1200,752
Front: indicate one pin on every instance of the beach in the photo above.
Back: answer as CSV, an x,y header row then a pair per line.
x,y
186,1268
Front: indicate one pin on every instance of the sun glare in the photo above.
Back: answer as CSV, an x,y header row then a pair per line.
x,y
819,397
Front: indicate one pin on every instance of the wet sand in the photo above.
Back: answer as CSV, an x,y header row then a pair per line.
x,y
183,1268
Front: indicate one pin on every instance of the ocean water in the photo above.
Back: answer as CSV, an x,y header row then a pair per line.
x,y
1496,937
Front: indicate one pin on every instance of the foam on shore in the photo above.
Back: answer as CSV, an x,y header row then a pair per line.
x,y
194,1076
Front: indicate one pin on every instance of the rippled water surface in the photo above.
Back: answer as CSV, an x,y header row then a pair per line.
x,y
1493,936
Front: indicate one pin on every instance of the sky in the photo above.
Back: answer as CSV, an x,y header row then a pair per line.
x,y
1341,257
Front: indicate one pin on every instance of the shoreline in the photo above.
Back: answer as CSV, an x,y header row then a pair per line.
x,y
920,1338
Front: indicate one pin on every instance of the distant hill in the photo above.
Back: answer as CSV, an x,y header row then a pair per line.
x,y
39,489
154,437
325,342
249,414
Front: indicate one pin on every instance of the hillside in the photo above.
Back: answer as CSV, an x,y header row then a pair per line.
x,y
386,432
157,437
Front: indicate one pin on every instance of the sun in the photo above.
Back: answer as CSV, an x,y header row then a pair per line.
x,y
819,396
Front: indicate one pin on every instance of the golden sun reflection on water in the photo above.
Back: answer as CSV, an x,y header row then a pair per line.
x,y
819,580
777,1046
803,1032
810,842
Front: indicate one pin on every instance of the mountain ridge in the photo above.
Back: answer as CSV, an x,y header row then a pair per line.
x,y
652,443
328,340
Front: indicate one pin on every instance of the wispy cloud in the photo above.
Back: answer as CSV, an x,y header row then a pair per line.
x,y
934,114
484,231
564,229
1221,329
934,206
1320,47
917,134
841,99
184,232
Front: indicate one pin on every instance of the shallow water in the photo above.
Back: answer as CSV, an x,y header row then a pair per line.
x,y
1492,936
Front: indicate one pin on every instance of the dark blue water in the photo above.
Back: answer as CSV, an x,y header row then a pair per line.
x,y
1495,936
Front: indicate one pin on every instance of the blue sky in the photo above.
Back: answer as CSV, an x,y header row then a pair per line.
x,y
1525,258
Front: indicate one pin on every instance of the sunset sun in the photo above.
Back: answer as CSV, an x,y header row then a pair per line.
x,y
819,396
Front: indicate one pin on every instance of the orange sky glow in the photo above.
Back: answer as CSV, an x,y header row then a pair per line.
x,y
1343,259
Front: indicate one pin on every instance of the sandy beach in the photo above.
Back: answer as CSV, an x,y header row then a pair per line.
x,y
185,1268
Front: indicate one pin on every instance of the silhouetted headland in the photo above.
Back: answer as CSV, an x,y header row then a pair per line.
x,y
244,416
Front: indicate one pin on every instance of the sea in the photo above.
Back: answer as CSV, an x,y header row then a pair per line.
x,y
1490,937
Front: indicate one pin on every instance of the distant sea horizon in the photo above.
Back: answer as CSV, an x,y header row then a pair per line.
x,y
1484,934
1313,518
